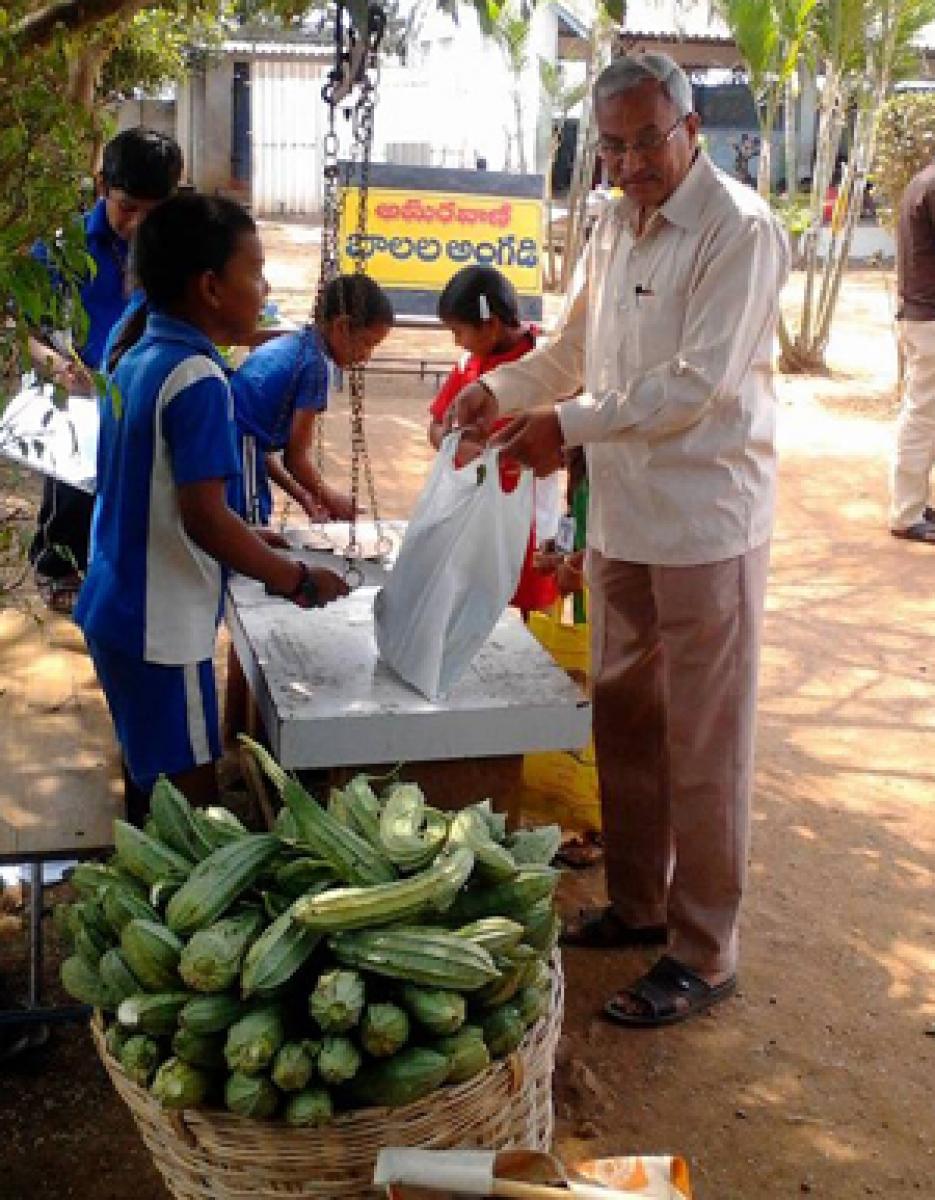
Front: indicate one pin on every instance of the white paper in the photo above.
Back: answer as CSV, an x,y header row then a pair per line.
x,y
469,1171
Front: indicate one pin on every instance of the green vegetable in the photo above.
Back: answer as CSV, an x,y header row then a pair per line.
x,y
146,858
180,1085
435,1009
174,819
251,1095
493,933
139,1057
337,1001
252,1041
339,1060
384,904
435,959
309,1107
199,1049
217,881
384,1028
536,846
117,976
152,953
352,857
294,1065
211,1014
532,1003
411,834
276,955
466,1052
210,961
409,1075
83,983
493,861
503,1030
115,1039
508,899
121,906
152,1013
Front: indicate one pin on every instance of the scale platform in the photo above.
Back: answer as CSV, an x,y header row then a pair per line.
x,y
327,701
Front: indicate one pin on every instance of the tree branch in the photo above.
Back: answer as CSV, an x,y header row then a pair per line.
x,y
36,31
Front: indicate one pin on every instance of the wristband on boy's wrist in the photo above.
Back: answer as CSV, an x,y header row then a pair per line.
x,y
305,589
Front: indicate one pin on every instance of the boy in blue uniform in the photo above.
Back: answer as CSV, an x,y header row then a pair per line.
x,y
141,168
164,535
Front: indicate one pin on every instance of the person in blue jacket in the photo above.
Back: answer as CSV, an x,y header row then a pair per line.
x,y
164,535
282,387
141,168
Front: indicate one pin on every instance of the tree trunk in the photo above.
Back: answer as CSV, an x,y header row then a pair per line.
x,y
790,124
518,118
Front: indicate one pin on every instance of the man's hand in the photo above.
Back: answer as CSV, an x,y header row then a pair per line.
x,y
534,440
468,449
474,409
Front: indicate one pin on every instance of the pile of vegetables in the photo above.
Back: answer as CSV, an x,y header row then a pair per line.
x,y
362,953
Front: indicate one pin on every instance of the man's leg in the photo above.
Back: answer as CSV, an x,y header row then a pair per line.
x,y
915,427
710,620
630,736
60,543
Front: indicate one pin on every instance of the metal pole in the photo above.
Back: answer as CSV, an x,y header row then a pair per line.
x,y
35,934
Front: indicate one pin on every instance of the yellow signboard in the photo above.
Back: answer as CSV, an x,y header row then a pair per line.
x,y
416,240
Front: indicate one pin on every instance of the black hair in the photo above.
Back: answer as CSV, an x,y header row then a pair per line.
x,y
475,294
184,237
358,297
143,163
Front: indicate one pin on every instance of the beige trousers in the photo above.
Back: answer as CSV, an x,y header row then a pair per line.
x,y
675,653
915,427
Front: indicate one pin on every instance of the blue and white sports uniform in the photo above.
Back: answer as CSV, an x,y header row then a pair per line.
x,y
280,378
151,602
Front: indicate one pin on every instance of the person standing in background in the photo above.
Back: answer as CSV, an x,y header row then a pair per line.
x,y
911,516
141,168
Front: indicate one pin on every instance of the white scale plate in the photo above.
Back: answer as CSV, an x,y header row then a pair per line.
x,y
326,700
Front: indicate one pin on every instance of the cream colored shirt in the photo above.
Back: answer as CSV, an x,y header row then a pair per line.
x,y
670,337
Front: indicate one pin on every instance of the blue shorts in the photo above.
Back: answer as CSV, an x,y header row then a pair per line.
x,y
166,717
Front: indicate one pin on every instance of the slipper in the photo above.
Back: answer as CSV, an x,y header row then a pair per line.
x,y
59,592
921,531
666,994
602,929
581,852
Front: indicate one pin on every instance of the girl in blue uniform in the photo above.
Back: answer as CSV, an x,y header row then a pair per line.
x,y
163,535
282,387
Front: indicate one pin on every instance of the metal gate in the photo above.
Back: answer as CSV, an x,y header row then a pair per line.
x,y
287,122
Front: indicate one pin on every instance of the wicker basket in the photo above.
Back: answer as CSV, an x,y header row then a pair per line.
x,y
211,1155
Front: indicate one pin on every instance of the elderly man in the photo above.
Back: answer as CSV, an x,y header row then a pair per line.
x,y
669,344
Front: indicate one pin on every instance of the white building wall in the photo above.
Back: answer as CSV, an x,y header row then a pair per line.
x,y
288,124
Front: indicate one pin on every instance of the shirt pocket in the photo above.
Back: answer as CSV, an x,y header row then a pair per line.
x,y
658,319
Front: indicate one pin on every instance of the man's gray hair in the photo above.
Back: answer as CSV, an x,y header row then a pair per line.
x,y
631,70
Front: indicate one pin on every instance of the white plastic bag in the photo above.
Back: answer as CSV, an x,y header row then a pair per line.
x,y
457,568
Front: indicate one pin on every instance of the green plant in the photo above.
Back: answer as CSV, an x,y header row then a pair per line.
x,y
905,144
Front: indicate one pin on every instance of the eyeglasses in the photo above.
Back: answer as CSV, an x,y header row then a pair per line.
x,y
647,143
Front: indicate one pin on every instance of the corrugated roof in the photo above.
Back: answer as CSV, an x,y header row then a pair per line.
x,y
673,19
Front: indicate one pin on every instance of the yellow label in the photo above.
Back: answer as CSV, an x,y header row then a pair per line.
x,y
418,239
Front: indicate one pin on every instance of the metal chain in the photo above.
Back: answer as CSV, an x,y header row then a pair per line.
x,y
333,208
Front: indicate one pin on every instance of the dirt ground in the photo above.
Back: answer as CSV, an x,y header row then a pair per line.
x,y
817,1078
